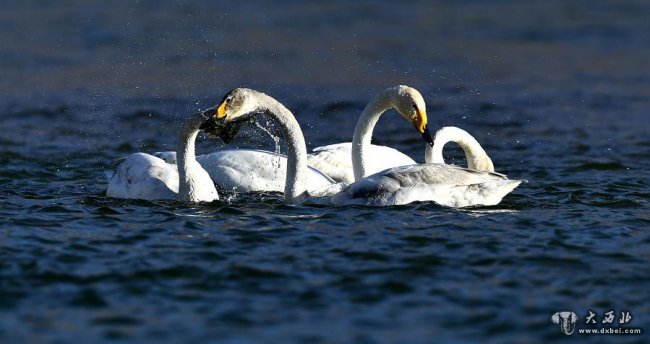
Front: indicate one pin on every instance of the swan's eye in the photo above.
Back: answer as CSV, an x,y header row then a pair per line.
x,y
228,100
415,106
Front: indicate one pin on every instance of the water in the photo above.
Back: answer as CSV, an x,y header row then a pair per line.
x,y
556,92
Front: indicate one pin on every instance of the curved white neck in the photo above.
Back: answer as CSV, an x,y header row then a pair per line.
x,y
363,132
190,173
296,180
477,158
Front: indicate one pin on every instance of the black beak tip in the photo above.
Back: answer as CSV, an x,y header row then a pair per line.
x,y
427,136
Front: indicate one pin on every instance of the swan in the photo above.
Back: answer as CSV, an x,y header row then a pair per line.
x,y
247,170
241,104
233,169
143,176
476,157
250,170
336,160
447,185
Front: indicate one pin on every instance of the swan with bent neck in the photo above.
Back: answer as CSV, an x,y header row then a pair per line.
x,y
247,170
144,176
347,162
242,103
476,157
444,184
400,97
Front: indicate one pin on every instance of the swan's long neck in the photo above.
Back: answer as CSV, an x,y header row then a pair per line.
x,y
363,132
189,169
477,158
296,180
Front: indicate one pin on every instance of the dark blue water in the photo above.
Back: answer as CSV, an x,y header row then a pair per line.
x,y
557,92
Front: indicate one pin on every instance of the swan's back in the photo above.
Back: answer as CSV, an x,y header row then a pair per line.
x,y
167,156
143,176
250,170
446,185
336,160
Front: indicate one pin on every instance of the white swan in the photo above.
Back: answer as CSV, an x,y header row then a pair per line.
x,y
250,170
477,158
241,103
143,176
228,168
336,160
444,184
247,170
447,185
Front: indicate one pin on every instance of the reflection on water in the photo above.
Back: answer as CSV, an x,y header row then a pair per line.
x,y
487,212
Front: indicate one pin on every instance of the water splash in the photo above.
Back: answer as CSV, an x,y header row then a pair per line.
x,y
276,141
266,130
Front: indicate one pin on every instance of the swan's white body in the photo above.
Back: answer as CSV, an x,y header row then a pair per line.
x,y
447,185
444,184
335,160
250,170
247,170
143,176
255,170
229,168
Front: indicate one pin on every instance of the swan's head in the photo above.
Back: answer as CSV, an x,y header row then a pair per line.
x,y
235,108
238,104
410,104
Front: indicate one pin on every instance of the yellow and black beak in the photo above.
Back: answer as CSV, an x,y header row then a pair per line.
x,y
420,124
221,110
212,115
217,127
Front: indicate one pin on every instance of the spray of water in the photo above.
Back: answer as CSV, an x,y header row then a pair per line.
x,y
275,138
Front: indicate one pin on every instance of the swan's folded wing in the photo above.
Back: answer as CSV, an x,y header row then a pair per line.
x,y
335,160
251,170
444,184
143,176
431,174
326,191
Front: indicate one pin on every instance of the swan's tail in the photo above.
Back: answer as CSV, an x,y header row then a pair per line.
x,y
490,192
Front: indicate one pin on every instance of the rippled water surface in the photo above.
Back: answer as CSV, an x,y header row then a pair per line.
x,y
557,92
